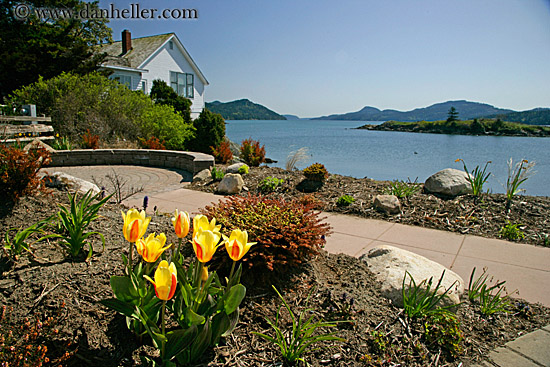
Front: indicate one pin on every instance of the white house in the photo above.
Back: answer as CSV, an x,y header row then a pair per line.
x,y
137,62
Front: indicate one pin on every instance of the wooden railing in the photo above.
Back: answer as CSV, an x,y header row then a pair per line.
x,y
10,132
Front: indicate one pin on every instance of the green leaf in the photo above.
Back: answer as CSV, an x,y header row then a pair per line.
x,y
124,289
120,306
194,318
178,340
233,320
234,298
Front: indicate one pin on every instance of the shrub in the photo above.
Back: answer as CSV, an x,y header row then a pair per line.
x,y
19,169
161,121
443,330
222,153
316,172
251,152
209,131
287,232
89,140
163,94
345,200
217,174
511,231
243,170
270,184
152,143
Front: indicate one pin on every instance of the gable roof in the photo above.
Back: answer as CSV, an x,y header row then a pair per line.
x,y
143,49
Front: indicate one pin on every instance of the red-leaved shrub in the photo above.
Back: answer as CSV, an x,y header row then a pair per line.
x,y
19,169
89,140
222,153
153,143
287,233
251,152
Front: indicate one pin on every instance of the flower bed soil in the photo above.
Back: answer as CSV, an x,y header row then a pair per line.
x,y
461,214
52,284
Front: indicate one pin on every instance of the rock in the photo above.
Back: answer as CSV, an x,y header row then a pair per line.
x,y
204,175
62,180
389,265
234,168
448,182
232,183
388,204
37,144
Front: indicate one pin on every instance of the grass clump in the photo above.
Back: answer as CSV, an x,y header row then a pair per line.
x,y
403,189
420,300
345,200
296,157
517,175
512,231
490,297
477,178
287,233
217,174
270,184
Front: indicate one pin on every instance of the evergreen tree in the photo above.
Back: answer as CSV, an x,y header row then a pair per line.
x,y
452,115
209,131
163,94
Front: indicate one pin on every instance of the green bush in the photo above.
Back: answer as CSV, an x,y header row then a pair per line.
x,y
270,184
316,172
243,170
287,233
210,132
443,330
163,94
217,174
512,231
345,200
105,107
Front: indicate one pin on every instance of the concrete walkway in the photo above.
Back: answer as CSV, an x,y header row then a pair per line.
x,y
524,267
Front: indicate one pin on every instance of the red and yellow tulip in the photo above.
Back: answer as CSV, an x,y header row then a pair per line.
x,y
135,224
152,247
237,245
166,280
181,223
201,222
205,243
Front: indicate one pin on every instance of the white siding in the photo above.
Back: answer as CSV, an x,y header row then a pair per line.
x,y
165,61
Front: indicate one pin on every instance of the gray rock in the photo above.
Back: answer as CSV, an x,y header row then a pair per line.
x,y
388,204
62,180
234,168
232,183
448,182
389,265
37,144
203,176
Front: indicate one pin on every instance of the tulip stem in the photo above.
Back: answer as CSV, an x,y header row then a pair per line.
x,y
177,251
163,325
230,280
130,258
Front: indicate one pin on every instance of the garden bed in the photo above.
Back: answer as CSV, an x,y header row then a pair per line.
x,y
462,214
51,284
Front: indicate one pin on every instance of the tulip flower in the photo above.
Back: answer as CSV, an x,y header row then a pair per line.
x,y
204,274
205,243
201,221
237,245
135,225
152,247
181,223
166,280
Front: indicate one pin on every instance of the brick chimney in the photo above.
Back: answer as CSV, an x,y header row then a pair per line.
x,y
126,41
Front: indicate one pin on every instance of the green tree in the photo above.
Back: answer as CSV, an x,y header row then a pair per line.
x,y
163,94
477,127
46,47
452,115
210,131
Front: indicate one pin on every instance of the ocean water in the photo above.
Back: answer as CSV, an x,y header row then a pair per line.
x,y
386,155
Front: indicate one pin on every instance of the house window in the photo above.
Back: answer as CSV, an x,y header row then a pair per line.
x,y
144,86
171,45
123,79
183,84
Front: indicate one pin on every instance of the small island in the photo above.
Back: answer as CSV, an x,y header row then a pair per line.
x,y
467,127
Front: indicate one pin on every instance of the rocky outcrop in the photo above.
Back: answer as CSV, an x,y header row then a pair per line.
x,y
232,183
388,204
448,182
70,183
390,264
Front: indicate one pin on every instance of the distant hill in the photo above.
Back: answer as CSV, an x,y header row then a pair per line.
x,y
243,109
438,111
291,117
538,116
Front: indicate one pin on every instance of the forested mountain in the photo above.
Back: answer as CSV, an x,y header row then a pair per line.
x,y
243,109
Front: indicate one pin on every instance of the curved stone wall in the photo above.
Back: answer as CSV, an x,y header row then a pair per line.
x,y
188,161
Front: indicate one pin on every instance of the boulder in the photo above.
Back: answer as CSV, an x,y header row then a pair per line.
x,y
388,204
232,183
234,168
448,182
37,144
62,180
203,176
389,265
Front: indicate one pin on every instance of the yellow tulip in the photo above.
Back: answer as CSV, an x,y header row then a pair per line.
x,y
181,223
237,245
135,224
201,221
205,244
166,280
152,247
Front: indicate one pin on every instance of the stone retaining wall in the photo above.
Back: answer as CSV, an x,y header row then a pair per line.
x,y
188,161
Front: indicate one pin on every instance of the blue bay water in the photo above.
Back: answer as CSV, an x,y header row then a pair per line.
x,y
386,155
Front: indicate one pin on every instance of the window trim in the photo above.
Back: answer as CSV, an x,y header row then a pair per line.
x,y
183,84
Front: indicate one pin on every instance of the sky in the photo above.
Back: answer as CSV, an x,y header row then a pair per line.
x,y
318,57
